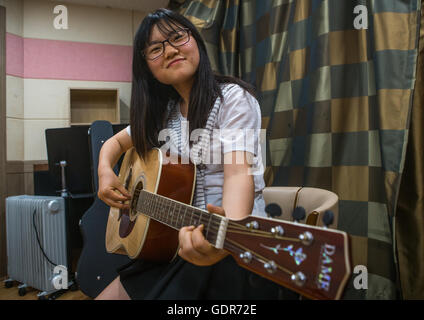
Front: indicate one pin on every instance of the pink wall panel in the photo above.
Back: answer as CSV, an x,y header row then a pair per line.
x,y
68,60
14,55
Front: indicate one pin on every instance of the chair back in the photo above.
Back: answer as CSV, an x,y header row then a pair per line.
x,y
315,201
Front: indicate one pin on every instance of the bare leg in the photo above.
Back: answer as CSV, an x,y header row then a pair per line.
x,y
114,291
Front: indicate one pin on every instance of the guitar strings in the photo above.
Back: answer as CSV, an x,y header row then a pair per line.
x,y
236,228
169,205
257,256
234,247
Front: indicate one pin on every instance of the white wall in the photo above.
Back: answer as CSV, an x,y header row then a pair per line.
x,y
34,105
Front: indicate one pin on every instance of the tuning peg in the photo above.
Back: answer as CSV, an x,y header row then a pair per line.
x,y
277,231
328,218
298,278
270,266
252,225
307,238
246,256
273,210
299,213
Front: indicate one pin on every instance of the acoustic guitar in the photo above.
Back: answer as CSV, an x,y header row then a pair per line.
x,y
309,260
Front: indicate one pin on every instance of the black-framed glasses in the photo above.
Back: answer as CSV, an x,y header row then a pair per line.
x,y
177,39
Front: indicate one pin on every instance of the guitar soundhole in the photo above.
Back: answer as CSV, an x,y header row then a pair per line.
x,y
125,225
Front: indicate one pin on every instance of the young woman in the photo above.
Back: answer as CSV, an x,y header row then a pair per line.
x,y
173,81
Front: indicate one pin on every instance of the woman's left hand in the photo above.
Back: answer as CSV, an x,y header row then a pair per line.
x,y
195,249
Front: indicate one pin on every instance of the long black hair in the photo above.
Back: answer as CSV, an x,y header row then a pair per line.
x,y
149,97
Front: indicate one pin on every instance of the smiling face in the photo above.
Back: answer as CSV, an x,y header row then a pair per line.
x,y
178,65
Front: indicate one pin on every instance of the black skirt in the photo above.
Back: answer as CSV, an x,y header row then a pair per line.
x,y
181,280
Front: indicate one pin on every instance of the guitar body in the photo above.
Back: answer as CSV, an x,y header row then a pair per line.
x,y
144,237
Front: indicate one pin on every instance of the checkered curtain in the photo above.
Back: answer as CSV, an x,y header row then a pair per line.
x,y
410,209
335,101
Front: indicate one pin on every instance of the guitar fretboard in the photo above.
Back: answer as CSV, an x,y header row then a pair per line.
x,y
176,214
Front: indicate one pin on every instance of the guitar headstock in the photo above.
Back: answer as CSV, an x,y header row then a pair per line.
x,y
310,260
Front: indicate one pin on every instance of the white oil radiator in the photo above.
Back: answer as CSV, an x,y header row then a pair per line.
x,y
36,241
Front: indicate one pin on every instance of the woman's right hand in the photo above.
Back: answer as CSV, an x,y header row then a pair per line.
x,y
111,190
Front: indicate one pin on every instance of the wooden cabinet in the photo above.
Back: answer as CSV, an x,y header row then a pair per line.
x,y
88,105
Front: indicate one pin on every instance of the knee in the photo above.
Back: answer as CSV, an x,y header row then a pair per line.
x,y
114,291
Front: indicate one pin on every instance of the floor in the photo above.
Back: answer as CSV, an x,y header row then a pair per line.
x,y
31,294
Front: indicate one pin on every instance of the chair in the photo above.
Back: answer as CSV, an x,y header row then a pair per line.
x,y
315,201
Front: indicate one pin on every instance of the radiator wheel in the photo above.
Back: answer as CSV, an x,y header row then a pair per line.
x,y
22,291
8,284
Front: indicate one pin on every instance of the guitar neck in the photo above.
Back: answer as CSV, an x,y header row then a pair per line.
x,y
177,215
